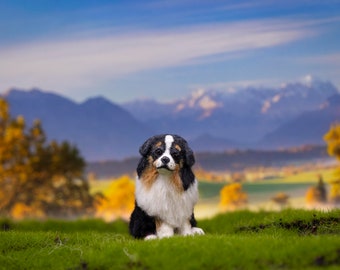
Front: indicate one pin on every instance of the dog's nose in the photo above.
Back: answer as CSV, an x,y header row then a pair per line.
x,y
165,160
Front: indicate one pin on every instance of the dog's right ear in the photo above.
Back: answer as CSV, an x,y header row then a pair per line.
x,y
145,148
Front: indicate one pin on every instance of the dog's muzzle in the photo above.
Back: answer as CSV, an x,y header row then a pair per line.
x,y
165,161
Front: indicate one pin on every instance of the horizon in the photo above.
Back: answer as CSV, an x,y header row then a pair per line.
x,y
165,50
306,81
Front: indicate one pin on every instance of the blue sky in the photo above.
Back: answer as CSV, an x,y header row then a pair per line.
x,y
126,50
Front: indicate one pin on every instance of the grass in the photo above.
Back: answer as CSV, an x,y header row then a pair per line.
x,y
291,239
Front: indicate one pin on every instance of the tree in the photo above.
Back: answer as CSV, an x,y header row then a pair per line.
x,y
118,200
332,138
334,193
317,194
232,196
281,199
38,178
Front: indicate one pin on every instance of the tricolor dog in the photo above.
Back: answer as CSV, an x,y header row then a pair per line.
x,y
166,190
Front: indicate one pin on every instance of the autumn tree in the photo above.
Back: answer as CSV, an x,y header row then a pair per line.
x,y
334,192
317,194
332,138
281,199
118,200
232,196
38,178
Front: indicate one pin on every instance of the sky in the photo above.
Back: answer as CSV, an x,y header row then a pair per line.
x,y
162,49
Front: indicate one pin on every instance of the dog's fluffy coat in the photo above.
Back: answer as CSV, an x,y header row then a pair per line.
x,y
166,189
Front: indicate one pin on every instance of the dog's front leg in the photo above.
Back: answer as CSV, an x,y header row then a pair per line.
x,y
164,230
186,229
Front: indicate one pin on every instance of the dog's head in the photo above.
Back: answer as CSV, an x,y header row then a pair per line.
x,y
167,154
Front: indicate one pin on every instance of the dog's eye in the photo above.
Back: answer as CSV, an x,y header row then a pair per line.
x,y
175,154
158,151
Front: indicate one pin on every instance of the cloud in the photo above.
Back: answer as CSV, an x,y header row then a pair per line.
x,y
86,60
329,59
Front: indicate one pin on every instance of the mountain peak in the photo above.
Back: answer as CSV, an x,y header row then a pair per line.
x,y
309,80
15,92
200,99
98,100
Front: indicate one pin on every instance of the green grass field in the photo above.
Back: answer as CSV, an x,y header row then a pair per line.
x,y
291,239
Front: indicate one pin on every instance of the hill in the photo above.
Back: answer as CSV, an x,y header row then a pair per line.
x,y
100,129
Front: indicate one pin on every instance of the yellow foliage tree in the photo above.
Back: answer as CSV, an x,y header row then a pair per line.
x,y
334,192
317,194
21,211
118,200
332,138
232,197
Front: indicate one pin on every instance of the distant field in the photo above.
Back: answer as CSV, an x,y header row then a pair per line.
x,y
291,239
259,193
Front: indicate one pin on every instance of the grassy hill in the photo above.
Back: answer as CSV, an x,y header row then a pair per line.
x,y
291,239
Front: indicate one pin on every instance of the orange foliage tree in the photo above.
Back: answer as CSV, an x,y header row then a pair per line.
x,y
232,196
281,199
118,200
38,178
332,138
317,194
334,192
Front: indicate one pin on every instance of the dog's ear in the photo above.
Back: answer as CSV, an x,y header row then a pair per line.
x,y
142,164
187,177
145,148
189,156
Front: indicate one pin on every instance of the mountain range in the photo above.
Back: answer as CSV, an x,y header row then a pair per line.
x,y
259,118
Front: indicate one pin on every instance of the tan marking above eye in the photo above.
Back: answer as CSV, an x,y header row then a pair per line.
x,y
158,144
178,147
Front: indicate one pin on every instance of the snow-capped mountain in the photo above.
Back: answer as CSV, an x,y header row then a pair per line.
x,y
290,115
243,115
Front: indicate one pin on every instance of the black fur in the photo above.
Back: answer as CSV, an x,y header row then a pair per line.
x,y
193,221
143,163
141,224
187,177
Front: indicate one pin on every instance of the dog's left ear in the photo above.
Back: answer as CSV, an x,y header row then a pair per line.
x,y
190,159
186,172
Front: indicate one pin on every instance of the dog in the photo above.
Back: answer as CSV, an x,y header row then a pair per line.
x,y
166,190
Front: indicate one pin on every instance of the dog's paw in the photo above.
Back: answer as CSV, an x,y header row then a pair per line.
x,y
196,230
150,237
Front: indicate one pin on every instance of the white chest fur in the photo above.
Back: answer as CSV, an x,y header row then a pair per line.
x,y
163,200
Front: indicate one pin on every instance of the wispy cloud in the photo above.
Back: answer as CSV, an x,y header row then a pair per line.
x,y
86,60
233,86
329,59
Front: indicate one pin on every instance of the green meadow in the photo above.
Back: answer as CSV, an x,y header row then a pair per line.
x,y
290,239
